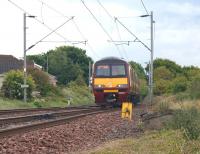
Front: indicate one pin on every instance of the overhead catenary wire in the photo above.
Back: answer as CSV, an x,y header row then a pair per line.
x,y
147,12
49,28
102,27
49,33
105,10
112,18
76,25
121,40
73,42
136,38
41,12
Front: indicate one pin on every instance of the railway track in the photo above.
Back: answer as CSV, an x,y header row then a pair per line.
x,y
21,124
19,111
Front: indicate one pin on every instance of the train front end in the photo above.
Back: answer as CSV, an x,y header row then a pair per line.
x,y
110,81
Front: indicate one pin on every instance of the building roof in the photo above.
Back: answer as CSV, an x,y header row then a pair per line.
x,y
9,62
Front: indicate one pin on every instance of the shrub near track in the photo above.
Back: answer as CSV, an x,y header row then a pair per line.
x,y
187,120
12,85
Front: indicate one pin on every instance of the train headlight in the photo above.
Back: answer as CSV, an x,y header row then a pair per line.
x,y
99,86
122,85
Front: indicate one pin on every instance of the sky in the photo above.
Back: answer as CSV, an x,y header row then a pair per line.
x,y
176,30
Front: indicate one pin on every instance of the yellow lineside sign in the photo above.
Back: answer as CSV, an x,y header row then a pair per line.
x,y
127,110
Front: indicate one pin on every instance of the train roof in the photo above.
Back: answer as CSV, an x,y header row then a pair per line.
x,y
110,60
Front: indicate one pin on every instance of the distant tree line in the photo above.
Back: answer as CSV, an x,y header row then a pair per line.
x,y
70,66
171,78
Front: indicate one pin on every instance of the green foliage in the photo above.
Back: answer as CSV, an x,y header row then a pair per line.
x,y
182,96
139,69
141,74
191,72
151,142
143,87
161,86
163,73
194,88
78,94
12,85
41,80
40,59
172,78
188,121
66,63
172,66
37,104
179,84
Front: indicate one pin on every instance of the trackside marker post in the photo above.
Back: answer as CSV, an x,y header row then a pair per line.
x,y
127,108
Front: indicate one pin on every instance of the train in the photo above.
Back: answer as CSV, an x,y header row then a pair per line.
x,y
114,81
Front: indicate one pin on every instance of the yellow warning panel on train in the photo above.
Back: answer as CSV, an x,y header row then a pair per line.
x,y
110,91
127,108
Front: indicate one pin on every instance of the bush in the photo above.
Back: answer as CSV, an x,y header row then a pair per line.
x,y
41,80
179,84
37,104
12,85
77,93
188,121
161,87
194,89
143,88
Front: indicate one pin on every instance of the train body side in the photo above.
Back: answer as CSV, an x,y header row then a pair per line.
x,y
114,82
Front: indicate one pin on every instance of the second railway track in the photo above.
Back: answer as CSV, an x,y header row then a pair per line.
x,y
20,124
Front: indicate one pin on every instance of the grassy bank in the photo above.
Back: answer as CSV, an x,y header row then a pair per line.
x,y
179,134
37,103
165,141
74,96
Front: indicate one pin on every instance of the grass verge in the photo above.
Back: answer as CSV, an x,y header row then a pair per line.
x,y
74,96
165,141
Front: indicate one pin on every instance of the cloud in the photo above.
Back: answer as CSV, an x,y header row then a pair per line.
x,y
177,28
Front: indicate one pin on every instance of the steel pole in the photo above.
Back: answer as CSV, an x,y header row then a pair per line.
x,y
25,74
89,74
152,51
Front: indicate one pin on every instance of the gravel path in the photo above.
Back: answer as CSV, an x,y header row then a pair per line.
x,y
81,134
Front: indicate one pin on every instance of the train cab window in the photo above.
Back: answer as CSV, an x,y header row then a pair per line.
x,y
118,70
103,70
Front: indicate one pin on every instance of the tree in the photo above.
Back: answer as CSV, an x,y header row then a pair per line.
x,y
163,73
12,85
141,74
139,69
66,63
170,65
179,84
161,86
162,80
